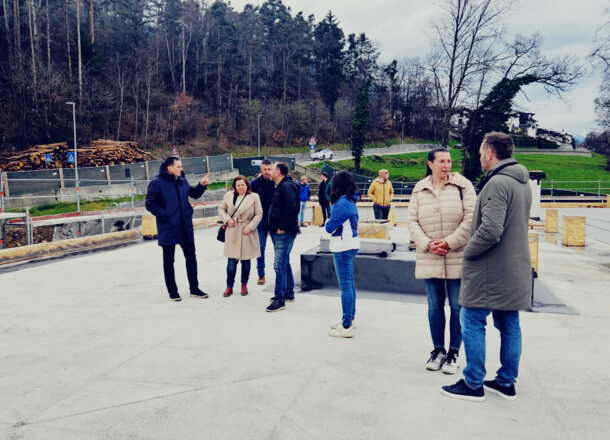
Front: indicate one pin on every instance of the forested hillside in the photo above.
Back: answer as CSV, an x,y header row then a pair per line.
x,y
172,71
163,72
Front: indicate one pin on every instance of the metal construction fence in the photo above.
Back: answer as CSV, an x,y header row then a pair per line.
x,y
60,184
550,188
363,182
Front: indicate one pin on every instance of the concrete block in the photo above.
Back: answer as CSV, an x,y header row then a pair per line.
x,y
551,220
573,230
149,226
375,230
393,274
533,240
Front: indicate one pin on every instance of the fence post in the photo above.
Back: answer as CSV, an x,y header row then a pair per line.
x,y
552,188
599,188
7,190
1,193
133,206
28,226
108,180
62,184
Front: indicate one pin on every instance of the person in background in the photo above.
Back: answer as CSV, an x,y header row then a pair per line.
x,y
167,199
283,226
381,192
497,273
264,186
439,217
324,202
344,244
304,196
241,211
327,193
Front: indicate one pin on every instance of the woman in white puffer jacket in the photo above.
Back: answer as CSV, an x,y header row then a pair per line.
x,y
439,217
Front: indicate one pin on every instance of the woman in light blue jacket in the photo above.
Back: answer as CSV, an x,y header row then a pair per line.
x,y
344,244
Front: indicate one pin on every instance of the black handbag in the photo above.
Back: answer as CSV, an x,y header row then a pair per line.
x,y
220,235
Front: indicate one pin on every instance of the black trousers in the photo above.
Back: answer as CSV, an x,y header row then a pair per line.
x,y
188,248
325,212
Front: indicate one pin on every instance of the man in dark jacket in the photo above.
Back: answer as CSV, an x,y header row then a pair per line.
x,y
497,272
324,202
168,200
264,186
283,225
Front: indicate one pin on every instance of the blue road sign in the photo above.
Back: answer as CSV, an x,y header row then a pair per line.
x,y
71,157
312,147
48,158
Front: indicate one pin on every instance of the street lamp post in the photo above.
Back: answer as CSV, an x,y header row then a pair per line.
x,y
402,130
75,157
258,121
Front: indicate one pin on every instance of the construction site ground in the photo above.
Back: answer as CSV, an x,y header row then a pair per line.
x,y
91,348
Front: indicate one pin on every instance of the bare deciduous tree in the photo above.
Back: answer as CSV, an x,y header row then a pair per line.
x,y
462,46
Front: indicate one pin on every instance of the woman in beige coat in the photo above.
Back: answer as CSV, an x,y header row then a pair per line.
x,y
241,238
440,213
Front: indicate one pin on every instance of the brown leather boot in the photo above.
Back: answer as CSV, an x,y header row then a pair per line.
x,y
228,292
244,289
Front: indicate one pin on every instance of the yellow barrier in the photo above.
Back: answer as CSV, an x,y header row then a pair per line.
x,y
551,220
149,226
318,218
533,239
573,230
61,247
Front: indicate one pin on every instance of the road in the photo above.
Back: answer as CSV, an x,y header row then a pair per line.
x,y
303,158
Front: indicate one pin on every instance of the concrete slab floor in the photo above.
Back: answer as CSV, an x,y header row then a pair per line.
x,y
91,348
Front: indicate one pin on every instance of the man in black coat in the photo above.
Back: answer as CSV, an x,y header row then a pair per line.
x,y
284,227
324,202
168,200
264,186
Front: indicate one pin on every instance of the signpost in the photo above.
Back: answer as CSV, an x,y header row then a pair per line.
x,y
74,160
175,152
312,144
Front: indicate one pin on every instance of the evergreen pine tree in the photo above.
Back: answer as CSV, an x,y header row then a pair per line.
x,y
360,123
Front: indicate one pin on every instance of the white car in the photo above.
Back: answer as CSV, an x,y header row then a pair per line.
x,y
322,155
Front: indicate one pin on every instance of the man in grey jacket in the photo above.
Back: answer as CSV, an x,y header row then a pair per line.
x,y
497,272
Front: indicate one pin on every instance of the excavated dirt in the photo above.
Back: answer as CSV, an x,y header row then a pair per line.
x,y
16,237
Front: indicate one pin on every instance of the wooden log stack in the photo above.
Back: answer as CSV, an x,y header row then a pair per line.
x,y
99,153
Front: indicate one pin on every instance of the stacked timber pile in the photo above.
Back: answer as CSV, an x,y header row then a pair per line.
x,y
99,153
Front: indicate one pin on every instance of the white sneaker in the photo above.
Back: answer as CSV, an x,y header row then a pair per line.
x,y
341,332
450,366
340,324
437,357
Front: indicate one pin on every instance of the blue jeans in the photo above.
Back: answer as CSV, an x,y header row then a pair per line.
x,y
344,268
302,212
381,212
437,289
284,281
262,239
473,331
232,270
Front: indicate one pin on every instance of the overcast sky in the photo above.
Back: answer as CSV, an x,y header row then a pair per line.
x,y
401,29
